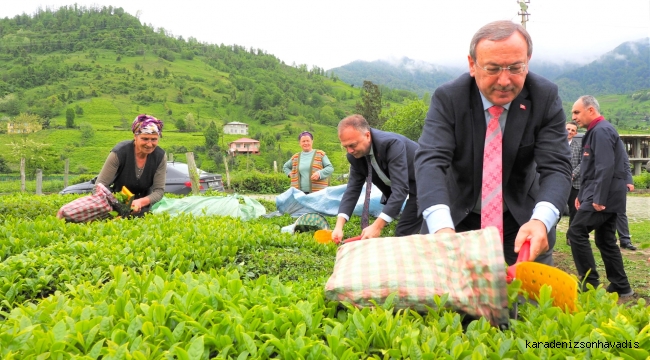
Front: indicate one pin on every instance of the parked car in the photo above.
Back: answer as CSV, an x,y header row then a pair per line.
x,y
177,181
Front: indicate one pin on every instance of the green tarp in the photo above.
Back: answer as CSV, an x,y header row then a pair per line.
x,y
230,205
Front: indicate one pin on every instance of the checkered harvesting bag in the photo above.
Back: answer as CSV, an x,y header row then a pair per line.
x,y
89,208
467,266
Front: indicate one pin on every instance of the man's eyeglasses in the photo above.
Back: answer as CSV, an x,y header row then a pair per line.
x,y
494,70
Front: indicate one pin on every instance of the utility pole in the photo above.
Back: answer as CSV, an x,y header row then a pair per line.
x,y
523,5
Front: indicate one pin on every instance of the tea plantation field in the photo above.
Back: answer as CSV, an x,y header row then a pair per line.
x,y
187,287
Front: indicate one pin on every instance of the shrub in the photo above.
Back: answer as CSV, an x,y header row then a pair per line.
x,y
82,178
259,183
642,181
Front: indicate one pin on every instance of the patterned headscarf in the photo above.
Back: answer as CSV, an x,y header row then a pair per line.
x,y
305,133
147,124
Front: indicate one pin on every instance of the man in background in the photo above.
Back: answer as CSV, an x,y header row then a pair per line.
x,y
622,226
601,197
575,143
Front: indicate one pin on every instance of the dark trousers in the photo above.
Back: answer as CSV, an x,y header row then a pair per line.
x,y
510,230
623,229
604,225
572,204
409,222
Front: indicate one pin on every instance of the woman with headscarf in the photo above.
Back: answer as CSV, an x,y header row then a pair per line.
x,y
138,164
309,169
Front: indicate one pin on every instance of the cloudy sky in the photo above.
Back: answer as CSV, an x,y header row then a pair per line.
x,y
335,32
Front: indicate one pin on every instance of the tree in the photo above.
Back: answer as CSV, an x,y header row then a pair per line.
x,y
4,168
37,155
288,128
180,125
407,120
370,105
327,116
211,135
26,123
10,104
87,133
69,118
190,123
261,98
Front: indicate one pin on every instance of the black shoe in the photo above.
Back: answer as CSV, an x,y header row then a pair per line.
x,y
628,246
621,294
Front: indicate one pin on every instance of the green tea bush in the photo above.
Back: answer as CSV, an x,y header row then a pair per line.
x,y
208,287
255,182
30,206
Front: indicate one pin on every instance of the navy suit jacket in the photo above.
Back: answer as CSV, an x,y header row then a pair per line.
x,y
603,170
536,155
394,154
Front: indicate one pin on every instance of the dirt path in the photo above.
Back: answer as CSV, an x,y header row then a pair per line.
x,y
638,208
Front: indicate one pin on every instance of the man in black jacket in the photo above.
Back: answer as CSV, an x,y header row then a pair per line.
x,y
602,196
390,158
535,155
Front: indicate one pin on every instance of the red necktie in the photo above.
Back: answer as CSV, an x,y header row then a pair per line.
x,y
491,191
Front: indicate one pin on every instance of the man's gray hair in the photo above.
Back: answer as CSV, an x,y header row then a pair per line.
x,y
356,121
499,30
589,101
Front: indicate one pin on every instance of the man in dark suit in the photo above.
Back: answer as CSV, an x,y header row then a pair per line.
x,y
575,143
534,157
390,156
602,195
622,226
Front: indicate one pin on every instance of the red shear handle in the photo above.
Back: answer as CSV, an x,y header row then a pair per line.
x,y
349,240
524,255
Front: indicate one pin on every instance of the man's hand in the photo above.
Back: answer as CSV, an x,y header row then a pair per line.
x,y
536,232
446,231
577,204
630,187
373,230
598,207
315,176
337,235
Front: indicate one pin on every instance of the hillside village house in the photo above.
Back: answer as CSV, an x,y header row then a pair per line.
x,y
244,146
235,128
14,128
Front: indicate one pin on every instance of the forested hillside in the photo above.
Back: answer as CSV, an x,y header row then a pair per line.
x,y
419,77
102,66
624,70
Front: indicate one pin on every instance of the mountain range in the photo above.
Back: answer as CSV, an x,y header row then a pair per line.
x,y
622,70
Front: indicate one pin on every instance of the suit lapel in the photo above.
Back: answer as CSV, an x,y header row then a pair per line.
x,y
378,152
478,129
516,123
